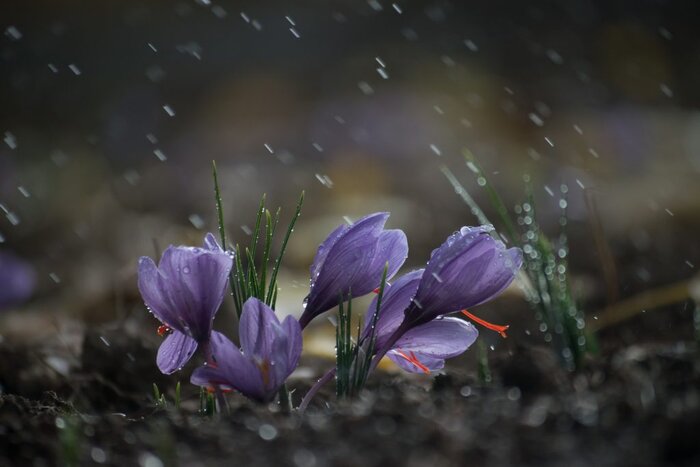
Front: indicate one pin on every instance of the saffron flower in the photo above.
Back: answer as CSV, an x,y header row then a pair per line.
x,y
184,292
269,353
470,268
17,280
425,347
351,262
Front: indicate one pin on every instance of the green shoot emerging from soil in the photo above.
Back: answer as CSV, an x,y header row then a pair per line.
x,y
248,280
354,358
544,277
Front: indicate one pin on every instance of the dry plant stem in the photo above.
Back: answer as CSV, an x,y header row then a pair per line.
x,y
655,298
330,374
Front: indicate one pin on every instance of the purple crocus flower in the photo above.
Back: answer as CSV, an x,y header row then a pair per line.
x,y
184,292
17,280
269,353
351,262
423,348
470,268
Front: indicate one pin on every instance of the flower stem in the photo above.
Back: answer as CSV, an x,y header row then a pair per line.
x,y
314,389
285,399
209,357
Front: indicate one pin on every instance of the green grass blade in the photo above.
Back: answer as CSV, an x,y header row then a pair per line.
x,y
278,261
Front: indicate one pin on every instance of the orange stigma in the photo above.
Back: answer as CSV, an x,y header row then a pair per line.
x,y
494,327
376,290
163,329
413,359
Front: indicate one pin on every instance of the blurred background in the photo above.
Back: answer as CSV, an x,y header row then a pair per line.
x,y
111,113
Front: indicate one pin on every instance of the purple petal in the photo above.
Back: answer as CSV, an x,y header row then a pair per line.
x,y
154,295
324,248
194,281
393,249
259,327
432,343
397,297
470,268
174,352
429,363
233,370
440,338
352,262
294,342
211,244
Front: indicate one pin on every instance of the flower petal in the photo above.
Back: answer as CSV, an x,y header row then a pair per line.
x,y
415,363
195,281
294,343
428,346
440,338
470,268
151,287
233,370
174,352
351,262
259,327
211,244
393,249
397,297
324,248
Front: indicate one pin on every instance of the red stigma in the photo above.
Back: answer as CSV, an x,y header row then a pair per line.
x,y
163,329
413,359
494,327
376,290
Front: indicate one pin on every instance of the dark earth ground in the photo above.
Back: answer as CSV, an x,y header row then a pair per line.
x,y
630,405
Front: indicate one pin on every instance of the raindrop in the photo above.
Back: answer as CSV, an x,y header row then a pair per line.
x,y
160,155
10,140
169,110
269,148
54,277
436,150
665,33
24,191
76,71
549,141
13,33
294,32
471,45
548,190
365,88
219,11
667,91
325,180
105,341
196,220
536,119
397,8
